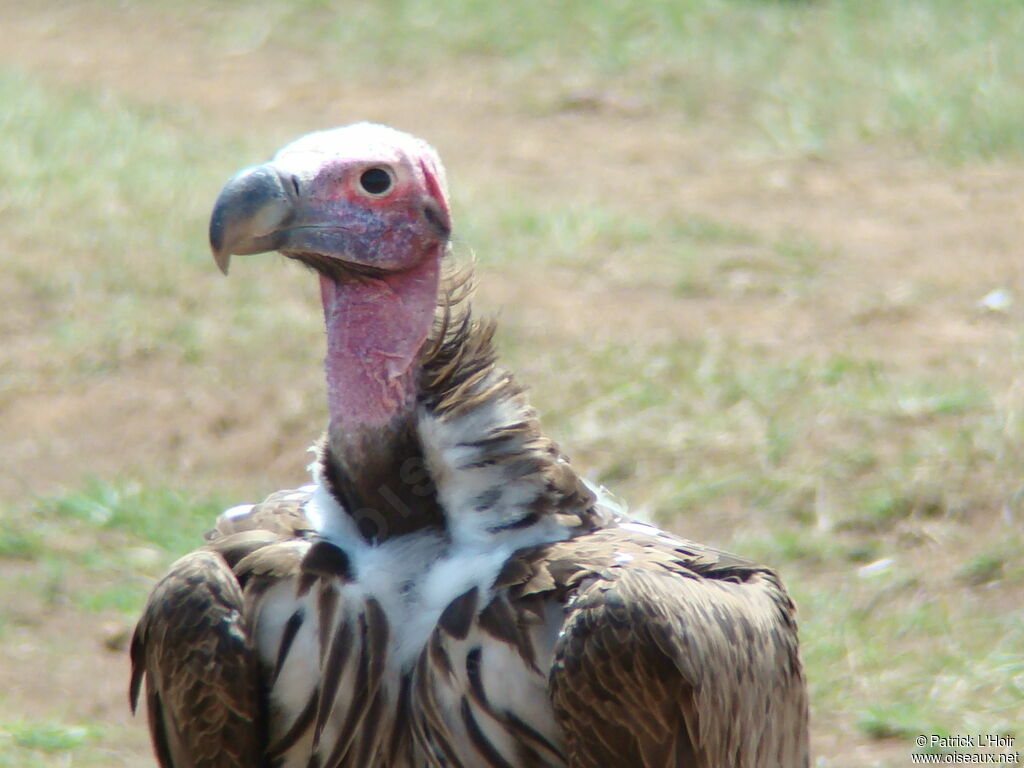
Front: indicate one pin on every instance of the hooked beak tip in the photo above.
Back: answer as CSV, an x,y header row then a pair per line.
x,y
223,260
248,214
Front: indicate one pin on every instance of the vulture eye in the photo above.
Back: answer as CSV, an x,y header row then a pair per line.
x,y
376,181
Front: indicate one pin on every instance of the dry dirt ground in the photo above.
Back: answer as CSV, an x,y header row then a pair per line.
x,y
898,221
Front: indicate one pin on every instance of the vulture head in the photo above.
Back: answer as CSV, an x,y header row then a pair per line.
x,y
366,207
360,200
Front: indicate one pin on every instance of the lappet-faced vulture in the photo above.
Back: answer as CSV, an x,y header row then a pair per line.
x,y
447,592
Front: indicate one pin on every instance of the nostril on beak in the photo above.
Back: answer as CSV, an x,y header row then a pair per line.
x,y
290,182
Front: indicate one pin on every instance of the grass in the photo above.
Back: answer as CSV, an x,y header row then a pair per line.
x,y
39,745
79,540
920,658
118,173
834,442
809,77
693,254
663,343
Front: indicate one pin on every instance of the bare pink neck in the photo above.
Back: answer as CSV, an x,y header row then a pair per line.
x,y
375,328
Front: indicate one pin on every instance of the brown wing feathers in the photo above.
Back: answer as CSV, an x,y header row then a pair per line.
x,y
205,699
673,655
202,684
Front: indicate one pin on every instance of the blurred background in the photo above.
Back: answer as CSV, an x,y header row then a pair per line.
x,y
761,263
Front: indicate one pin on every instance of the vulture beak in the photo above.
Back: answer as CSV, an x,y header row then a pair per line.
x,y
249,215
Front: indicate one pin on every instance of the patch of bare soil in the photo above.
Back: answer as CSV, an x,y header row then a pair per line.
x,y
898,227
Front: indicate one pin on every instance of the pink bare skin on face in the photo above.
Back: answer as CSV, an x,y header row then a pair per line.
x,y
365,206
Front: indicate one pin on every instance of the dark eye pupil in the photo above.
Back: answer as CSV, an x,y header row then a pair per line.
x,y
376,181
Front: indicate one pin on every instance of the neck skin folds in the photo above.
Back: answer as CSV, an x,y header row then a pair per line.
x,y
375,328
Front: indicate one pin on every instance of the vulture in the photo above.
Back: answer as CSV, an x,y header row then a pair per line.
x,y
447,592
